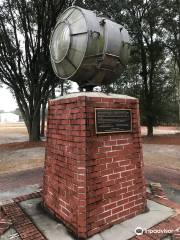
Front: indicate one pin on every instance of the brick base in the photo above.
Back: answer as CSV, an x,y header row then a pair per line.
x,y
92,182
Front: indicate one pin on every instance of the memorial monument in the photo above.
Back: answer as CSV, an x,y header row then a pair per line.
x,y
93,176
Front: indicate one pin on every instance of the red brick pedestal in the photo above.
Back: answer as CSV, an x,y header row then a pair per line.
x,y
91,181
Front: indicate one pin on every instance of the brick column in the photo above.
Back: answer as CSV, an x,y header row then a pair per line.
x,y
91,181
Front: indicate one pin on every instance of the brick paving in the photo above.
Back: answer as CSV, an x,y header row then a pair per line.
x,y
11,214
5,223
20,221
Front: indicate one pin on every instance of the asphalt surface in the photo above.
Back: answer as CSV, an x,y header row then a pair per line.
x,y
16,180
162,175
169,179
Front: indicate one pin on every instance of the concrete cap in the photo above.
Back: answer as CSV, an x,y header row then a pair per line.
x,y
94,94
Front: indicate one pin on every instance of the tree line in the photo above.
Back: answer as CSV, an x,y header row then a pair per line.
x,y
25,28
153,73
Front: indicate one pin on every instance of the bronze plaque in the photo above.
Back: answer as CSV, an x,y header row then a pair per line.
x,y
113,120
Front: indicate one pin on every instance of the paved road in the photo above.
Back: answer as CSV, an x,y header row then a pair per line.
x,y
169,179
166,176
9,182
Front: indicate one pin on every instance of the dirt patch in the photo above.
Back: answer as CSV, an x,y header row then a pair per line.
x,y
21,159
13,132
173,139
21,145
167,156
16,152
12,137
13,128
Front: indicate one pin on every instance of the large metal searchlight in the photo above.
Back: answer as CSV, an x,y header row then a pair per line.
x,y
88,49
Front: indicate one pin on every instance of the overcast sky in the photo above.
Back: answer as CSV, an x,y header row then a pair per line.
x,y
7,102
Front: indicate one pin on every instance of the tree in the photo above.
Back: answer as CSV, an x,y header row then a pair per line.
x,y
164,107
171,26
61,88
142,19
25,28
17,112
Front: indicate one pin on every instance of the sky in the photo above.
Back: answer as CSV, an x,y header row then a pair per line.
x,y
8,102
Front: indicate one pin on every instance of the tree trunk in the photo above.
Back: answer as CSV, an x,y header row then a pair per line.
x,y
62,88
34,131
179,111
43,116
53,94
149,130
178,89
